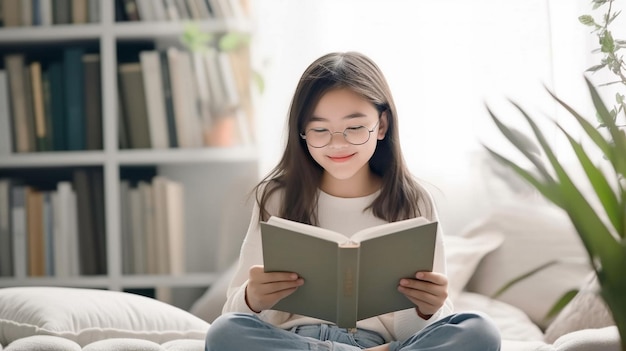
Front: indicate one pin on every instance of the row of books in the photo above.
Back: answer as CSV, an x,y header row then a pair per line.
x,y
51,106
53,232
176,98
61,232
153,228
177,10
22,13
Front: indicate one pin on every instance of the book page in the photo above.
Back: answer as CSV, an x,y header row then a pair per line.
x,y
388,228
307,229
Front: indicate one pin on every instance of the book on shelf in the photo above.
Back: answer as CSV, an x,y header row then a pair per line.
x,y
18,230
155,99
153,230
23,126
147,218
6,125
88,184
57,106
6,240
11,13
133,96
47,107
62,12
167,97
126,230
65,232
26,13
189,133
169,220
38,110
74,86
201,80
138,237
348,279
93,101
48,233
35,233
80,11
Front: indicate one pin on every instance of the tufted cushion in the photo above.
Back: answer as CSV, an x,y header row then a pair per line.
x,y
534,235
43,343
88,315
587,310
465,251
123,344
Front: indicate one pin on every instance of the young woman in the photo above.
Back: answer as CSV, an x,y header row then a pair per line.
x,y
342,169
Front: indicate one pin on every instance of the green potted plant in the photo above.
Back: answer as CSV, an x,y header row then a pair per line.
x,y
603,231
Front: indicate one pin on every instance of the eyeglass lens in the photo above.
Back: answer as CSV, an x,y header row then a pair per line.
x,y
321,137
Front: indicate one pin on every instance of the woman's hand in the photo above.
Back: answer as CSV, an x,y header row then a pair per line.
x,y
428,292
264,290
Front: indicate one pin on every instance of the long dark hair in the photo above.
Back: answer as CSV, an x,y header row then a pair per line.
x,y
298,175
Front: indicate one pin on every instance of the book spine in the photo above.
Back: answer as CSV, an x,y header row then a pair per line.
x,y
6,124
347,291
74,97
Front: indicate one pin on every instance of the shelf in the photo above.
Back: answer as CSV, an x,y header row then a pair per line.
x,y
214,180
53,159
155,30
80,282
145,157
50,34
186,280
129,281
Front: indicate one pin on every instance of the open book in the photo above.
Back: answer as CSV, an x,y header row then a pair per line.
x,y
346,280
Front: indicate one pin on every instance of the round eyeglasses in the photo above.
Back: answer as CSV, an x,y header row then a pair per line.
x,y
321,137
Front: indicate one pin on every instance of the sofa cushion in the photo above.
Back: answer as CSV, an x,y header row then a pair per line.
x,y
88,315
512,322
534,235
465,251
43,343
123,344
605,339
586,310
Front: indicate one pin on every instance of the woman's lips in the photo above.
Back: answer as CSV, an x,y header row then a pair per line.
x,y
342,158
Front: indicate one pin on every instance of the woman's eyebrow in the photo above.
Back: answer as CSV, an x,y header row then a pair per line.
x,y
350,116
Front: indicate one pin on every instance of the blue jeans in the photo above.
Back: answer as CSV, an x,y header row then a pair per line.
x,y
240,331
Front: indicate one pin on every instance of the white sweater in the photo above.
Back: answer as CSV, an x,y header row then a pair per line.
x,y
346,216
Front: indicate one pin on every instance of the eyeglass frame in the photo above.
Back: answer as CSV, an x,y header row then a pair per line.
x,y
369,135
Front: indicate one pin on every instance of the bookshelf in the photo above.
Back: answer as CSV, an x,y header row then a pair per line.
x,y
208,174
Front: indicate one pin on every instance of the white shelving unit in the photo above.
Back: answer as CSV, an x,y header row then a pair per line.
x,y
209,175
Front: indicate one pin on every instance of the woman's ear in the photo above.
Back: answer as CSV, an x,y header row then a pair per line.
x,y
383,125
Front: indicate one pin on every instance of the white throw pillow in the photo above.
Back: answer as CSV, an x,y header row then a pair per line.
x,y
464,252
88,315
587,310
534,236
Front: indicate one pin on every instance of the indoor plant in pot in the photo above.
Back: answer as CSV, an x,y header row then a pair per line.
x,y
602,230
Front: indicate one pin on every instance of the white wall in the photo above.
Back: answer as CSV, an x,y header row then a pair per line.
x,y
443,60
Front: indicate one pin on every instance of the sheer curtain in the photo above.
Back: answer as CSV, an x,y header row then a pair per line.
x,y
444,61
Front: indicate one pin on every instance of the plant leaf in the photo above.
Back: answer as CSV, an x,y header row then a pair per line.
x,y
587,20
589,129
522,143
547,190
618,136
599,182
561,303
522,277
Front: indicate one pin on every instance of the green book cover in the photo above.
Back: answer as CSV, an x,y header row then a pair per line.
x,y
346,280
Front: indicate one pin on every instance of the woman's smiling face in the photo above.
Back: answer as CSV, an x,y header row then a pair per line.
x,y
342,161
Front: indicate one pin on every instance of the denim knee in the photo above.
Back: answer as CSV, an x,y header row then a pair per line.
x,y
481,332
228,327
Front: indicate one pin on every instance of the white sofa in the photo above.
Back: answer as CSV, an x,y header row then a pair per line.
x,y
504,240
497,245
